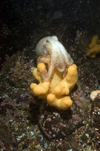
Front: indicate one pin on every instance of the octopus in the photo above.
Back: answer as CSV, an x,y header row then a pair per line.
x,y
51,52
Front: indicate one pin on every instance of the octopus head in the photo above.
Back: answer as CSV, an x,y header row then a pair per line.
x,y
43,44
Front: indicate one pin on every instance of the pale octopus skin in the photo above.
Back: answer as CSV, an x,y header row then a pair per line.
x,y
54,54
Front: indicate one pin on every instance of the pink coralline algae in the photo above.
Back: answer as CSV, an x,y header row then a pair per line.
x,y
87,78
20,73
57,125
10,107
95,121
18,69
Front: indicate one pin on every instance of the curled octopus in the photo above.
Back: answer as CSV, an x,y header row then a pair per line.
x,y
54,54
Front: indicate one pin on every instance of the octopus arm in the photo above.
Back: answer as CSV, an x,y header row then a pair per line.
x,y
43,59
47,74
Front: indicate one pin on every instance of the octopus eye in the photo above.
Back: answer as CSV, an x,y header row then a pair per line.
x,y
47,40
44,49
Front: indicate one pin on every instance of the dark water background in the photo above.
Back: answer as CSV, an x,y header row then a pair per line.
x,y
20,20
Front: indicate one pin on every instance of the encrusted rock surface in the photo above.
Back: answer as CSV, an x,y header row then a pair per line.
x,y
32,124
95,121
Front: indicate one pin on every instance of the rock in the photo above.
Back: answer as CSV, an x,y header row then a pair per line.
x,y
57,15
